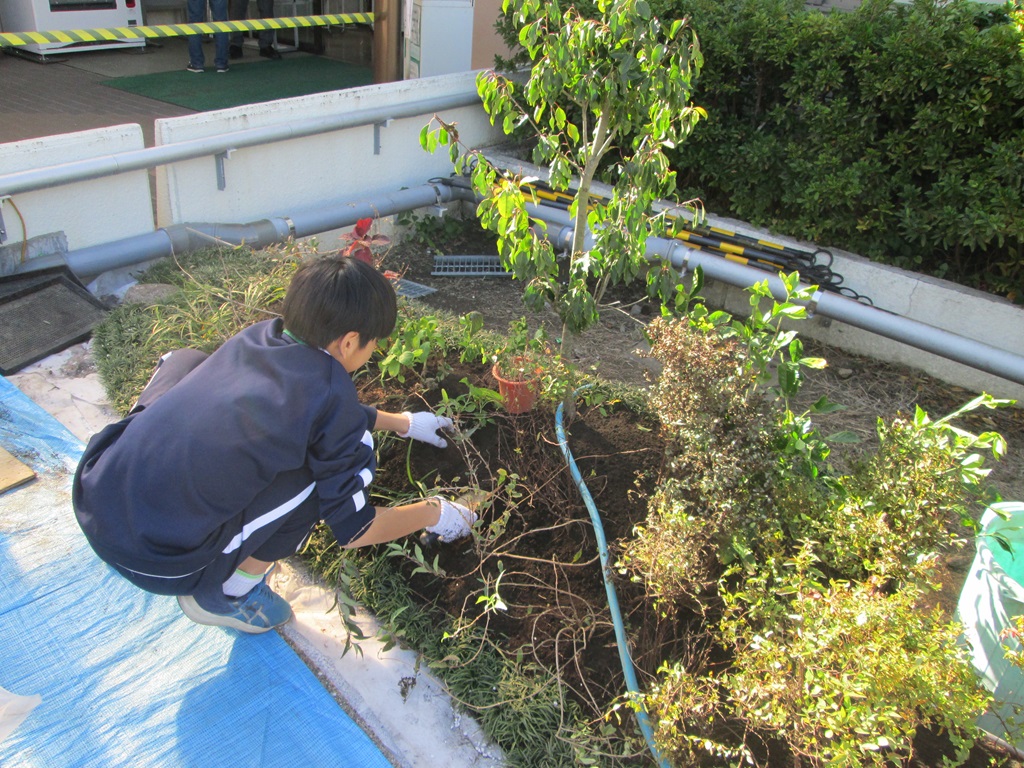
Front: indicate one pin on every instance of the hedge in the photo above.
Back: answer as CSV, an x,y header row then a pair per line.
x,y
895,131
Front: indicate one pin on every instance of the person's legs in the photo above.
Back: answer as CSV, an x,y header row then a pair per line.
x,y
238,10
219,12
171,368
196,11
266,36
267,535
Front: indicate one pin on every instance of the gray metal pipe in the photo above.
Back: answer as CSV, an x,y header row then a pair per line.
x,y
179,239
151,157
952,346
315,221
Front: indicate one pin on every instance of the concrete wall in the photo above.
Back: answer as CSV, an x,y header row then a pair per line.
x,y
938,303
305,173
85,213
275,179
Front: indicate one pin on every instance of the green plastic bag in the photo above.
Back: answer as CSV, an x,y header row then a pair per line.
x,y
992,595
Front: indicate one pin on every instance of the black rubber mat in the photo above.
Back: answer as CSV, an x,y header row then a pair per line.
x,y
42,313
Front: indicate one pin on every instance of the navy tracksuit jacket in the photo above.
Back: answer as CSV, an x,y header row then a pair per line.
x,y
185,488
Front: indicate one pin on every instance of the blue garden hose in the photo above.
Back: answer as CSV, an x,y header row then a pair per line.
x,y
609,588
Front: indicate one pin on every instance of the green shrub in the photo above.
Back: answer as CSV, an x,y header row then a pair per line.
x,y
847,674
916,496
843,674
729,450
810,583
718,466
893,131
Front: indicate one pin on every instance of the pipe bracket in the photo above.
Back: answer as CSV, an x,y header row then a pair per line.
x,y
812,305
3,228
684,266
291,227
376,133
218,160
437,194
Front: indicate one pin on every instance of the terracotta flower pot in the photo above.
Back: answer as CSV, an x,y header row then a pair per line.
x,y
518,394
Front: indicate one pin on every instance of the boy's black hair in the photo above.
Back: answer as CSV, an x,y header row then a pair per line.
x,y
331,296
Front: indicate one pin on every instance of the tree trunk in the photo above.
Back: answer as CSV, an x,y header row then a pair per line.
x,y
566,350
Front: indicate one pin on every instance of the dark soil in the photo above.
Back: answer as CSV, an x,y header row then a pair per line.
x,y
552,584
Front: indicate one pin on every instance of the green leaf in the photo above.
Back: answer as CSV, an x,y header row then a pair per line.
x,y
824,405
845,436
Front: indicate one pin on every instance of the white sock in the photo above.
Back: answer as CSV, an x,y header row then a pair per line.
x,y
241,583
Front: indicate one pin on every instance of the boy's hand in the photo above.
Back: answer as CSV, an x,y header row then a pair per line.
x,y
455,522
424,427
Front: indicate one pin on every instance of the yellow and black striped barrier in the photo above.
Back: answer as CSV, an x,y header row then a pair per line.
x,y
814,266
733,246
73,36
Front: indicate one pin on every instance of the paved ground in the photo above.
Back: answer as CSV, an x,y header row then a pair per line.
x,y
66,94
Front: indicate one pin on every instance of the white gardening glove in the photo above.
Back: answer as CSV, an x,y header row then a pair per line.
x,y
423,426
455,521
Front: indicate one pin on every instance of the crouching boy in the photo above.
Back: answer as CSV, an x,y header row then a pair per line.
x,y
227,461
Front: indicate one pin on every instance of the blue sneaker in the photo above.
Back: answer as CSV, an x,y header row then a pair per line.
x,y
259,611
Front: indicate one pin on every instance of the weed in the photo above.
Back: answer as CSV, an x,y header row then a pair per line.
x,y
432,231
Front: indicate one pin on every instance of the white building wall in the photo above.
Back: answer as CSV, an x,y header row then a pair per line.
x,y
86,212
299,174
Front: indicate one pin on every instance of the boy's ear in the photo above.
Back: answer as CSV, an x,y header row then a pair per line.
x,y
343,346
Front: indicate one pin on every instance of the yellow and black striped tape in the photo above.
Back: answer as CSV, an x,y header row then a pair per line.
x,y
177,30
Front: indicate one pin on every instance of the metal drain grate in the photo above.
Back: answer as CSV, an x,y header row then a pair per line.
x,y
42,314
410,290
469,266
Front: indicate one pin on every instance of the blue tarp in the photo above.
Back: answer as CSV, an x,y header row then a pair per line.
x,y
125,678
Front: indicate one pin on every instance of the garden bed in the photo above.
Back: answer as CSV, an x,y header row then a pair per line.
x,y
531,596
555,613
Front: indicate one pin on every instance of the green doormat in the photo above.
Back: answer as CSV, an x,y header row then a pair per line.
x,y
246,83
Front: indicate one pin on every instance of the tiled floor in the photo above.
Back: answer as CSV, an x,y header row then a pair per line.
x,y
66,93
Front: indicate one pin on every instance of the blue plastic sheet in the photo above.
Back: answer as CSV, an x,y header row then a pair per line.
x,y
125,678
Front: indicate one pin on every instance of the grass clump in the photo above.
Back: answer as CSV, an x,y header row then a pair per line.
x,y
221,291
